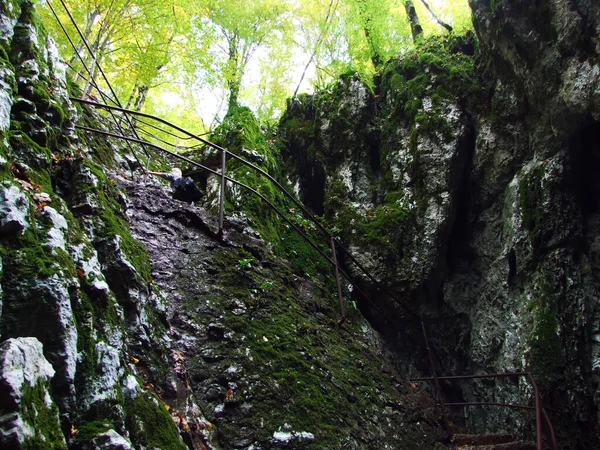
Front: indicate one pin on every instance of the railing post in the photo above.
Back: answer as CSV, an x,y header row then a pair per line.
x,y
337,280
538,414
222,195
438,390
147,169
550,429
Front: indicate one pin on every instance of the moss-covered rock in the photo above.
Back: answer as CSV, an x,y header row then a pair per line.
x,y
30,418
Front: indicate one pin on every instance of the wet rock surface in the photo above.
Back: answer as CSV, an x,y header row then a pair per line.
x,y
262,353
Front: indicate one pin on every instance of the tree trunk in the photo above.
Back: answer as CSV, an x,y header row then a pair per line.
x,y
234,93
90,83
235,76
86,35
376,58
133,93
141,97
415,25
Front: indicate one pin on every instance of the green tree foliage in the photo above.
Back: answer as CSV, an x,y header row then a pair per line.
x,y
236,30
131,40
166,56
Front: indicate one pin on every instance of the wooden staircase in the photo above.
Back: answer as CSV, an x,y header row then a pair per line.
x,y
488,442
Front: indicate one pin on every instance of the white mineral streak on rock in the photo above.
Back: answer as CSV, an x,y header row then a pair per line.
x,y
287,436
356,98
232,369
42,197
580,81
8,19
6,79
59,67
22,362
32,69
131,387
58,288
14,208
111,440
110,371
89,264
56,234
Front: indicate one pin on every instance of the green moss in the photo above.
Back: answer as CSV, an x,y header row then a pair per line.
x,y
531,198
28,257
42,418
136,253
546,359
150,424
34,155
103,153
83,312
88,430
384,226
6,64
239,131
437,68
495,6
310,370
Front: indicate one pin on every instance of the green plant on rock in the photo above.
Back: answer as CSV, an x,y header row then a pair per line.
x,y
246,262
531,201
41,418
150,424
545,360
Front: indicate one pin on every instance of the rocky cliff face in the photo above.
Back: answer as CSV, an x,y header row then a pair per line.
x,y
127,323
467,181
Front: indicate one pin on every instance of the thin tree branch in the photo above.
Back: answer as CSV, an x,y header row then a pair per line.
x,y
312,56
436,18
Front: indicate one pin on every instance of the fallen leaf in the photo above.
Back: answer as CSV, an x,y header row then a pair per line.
x,y
42,197
204,426
26,185
133,359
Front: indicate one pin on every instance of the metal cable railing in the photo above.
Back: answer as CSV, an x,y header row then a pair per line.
x,y
541,416
115,98
133,117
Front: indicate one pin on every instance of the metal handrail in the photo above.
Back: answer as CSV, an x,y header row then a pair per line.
x,y
540,411
225,153
269,177
91,79
244,186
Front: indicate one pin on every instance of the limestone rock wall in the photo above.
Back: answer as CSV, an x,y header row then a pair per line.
x,y
478,205
126,322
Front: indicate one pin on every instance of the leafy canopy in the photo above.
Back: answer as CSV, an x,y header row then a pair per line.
x,y
203,57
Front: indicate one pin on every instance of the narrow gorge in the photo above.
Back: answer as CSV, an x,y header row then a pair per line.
x,y
463,178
